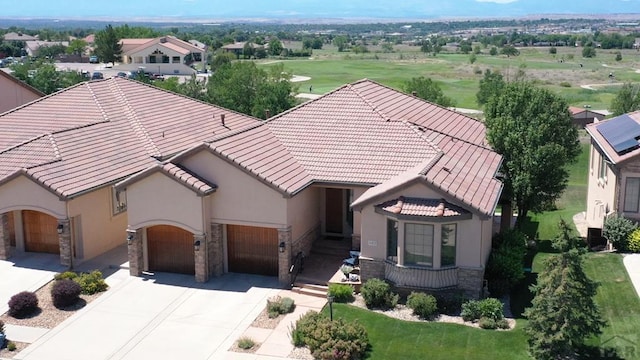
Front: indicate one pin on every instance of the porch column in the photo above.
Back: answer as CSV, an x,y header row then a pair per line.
x,y
216,250
134,248
284,258
201,259
355,241
64,239
5,241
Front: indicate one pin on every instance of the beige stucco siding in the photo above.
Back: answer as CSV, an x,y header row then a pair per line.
x,y
601,194
303,211
22,193
158,199
240,197
101,230
13,95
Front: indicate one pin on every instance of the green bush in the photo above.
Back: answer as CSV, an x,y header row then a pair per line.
x,y
341,293
487,323
377,294
617,230
11,346
277,306
502,323
246,343
330,339
633,243
65,275
565,84
450,304
489,308
471,310
506,262
91,283
423,305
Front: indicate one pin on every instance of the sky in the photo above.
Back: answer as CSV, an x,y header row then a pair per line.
x,y
274,9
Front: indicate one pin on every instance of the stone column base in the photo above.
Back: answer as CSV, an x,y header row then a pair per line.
x,y
371,268
201,258
284,258
64,238
135,248
216,250
5,241
471,281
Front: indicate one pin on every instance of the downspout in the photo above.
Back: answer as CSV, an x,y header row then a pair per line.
x,y
72,237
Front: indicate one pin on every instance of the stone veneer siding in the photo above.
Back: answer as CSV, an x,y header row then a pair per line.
x,y
216,250
5,242
284,258
371,268
305,242
471,281
201,258
136,256
64,238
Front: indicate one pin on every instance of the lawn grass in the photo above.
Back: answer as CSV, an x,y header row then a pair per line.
x,y
397,339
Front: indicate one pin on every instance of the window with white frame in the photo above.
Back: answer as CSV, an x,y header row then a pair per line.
x,y
418,244
448,250
118,200
392,240
602,168
632,194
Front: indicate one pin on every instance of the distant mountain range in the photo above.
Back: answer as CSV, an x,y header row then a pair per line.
x,y
221,10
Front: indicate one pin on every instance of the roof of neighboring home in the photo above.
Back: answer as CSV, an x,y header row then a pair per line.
x,y
240,46
96,133
36,44
606,147
90,39
421,207
368,134
21,83
12,36
130,46
574,110
178,173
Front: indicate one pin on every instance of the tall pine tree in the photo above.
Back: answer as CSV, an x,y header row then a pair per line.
x,y
108,47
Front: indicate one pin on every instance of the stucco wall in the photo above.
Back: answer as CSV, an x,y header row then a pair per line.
x,y
158,199
303,211
601,193
23,194
240,198
13,95
473,235
101,230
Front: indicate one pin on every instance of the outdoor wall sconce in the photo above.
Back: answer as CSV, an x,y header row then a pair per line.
x,y
60,228
196,245
129,239
281,246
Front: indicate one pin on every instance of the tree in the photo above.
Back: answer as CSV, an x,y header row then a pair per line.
x,y
618,56
493,51
626,100
510,51
77,47
531,128
243,87
553,50
563,312
221,59
275,47
248,50
341,42
107,45
588,52
427,89
491,84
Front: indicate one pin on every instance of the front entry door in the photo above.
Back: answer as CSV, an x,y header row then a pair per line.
x,y
334,215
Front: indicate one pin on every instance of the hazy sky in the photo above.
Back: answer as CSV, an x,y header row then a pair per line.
x,y
221,9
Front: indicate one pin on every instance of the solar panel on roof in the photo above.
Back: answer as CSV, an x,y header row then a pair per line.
x,y
621,133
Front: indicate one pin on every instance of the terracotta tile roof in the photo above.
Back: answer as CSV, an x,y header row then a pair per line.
x,y
136,45
608,150
104,131
421,207
183,176
575,110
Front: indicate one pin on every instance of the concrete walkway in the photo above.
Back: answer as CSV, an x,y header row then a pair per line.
x,y
632,264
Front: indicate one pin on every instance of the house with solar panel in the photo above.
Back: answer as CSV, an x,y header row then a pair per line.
x,y
401,188
614,171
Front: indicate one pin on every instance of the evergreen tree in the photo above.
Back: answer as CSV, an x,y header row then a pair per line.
x,y
563,313
108,47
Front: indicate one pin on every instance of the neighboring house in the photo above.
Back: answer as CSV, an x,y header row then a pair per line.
x,y
60,156
166,55
238,47
13,36
14,92
410,184
583,116
32,47
614,170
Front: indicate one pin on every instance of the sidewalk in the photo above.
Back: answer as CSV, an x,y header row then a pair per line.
x,y
632,264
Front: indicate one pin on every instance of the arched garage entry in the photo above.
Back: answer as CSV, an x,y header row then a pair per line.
x,y
170,249
252,250
40,232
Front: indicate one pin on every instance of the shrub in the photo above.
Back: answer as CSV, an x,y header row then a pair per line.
x,y
565,84
2,327
246,343
91,283
330,339
470,310
506,262
11,346
377,294
22,304
423,305
450,304
617,230
487,323
491,308
65,275
341,293
502,323
633,243
278,305
65,293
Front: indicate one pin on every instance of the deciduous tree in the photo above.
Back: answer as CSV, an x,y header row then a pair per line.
x,y
626,100
77,47
490,85
532,129
427,89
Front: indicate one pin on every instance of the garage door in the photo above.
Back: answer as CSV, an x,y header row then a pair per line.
x,y
170,249
252,250
40,232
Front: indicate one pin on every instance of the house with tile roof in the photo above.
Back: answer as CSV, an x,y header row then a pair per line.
x,y
198,189
165,55
410,184
14,92
60,156
614,171
583,116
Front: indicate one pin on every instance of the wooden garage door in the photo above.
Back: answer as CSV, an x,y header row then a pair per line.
x,y
40,232
252,250
170,249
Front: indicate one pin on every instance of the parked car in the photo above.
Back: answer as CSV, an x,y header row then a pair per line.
x,y
97,75
122,74
93,59
156,77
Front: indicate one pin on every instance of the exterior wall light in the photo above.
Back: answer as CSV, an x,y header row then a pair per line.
x,y
281,246
196,245
60,228
131,234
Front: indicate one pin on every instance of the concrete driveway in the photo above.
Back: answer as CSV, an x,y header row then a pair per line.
x,y
166,316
